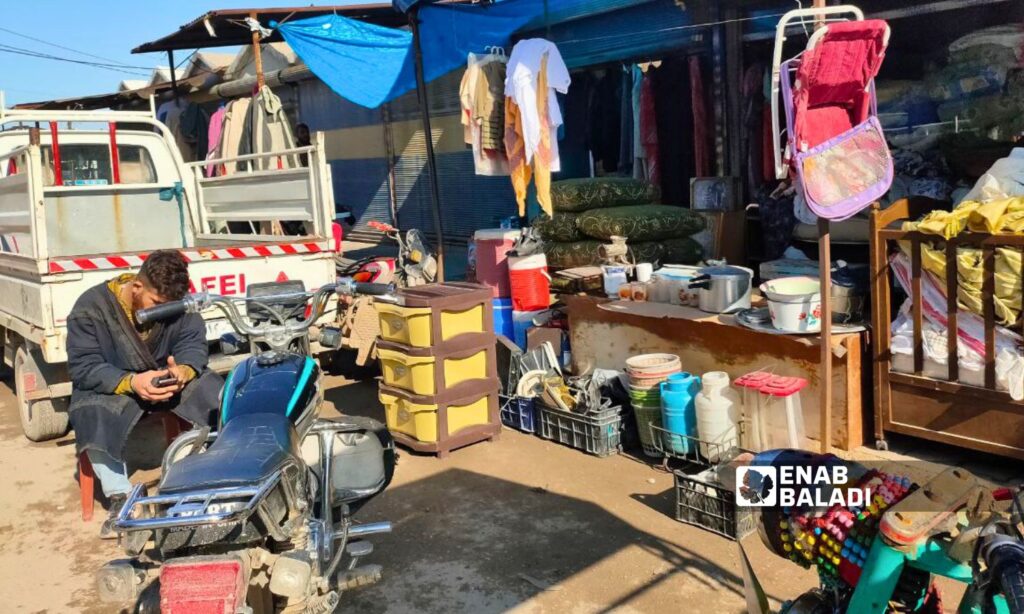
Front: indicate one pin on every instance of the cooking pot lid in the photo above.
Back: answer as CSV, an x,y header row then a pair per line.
x,y
724,271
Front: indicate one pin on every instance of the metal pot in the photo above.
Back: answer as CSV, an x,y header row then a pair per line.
x,y
849,288
723,289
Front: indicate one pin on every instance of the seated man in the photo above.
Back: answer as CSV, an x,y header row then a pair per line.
x,y
115,363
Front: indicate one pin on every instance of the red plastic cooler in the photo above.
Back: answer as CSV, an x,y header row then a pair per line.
x,y
492,247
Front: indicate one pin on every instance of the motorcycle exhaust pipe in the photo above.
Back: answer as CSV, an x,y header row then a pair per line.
x,y
373,528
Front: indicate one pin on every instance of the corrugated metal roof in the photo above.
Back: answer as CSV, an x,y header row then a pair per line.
x,y
224,27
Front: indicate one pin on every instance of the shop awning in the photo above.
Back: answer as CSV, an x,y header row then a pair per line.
x,y
370,64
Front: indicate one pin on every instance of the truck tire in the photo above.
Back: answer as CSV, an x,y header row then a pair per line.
x,y
43,419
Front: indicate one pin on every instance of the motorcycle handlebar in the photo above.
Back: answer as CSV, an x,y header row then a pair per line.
x,y
163,311
198,302
372,289
1004,557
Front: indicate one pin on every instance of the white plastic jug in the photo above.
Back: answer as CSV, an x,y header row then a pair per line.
x,y
718,415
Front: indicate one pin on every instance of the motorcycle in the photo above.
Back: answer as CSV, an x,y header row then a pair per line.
x,y
883,556
415,265
257,517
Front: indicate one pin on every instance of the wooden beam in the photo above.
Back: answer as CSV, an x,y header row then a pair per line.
x,y
257,55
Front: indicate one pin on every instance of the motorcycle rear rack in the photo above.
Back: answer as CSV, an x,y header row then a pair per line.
x,y
198,501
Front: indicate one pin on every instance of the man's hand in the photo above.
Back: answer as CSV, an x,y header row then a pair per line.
x,y
180,373
142,385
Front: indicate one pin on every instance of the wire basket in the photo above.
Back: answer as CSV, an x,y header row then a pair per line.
x,y
693,449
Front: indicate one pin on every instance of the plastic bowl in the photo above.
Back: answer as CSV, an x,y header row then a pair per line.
x,y
792,289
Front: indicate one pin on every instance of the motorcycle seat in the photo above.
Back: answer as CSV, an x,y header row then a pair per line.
x,y
249,448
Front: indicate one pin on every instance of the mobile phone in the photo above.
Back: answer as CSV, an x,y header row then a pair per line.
x,y
164,381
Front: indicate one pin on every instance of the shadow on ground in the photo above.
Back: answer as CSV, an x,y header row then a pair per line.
x,y
468,542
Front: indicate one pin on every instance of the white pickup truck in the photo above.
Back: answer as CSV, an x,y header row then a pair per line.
x,y
85,195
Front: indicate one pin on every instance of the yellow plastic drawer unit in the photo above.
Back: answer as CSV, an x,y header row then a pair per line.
x,y
428,372
426,425
431,316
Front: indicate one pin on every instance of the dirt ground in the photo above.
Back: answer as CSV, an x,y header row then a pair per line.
x,y
518,525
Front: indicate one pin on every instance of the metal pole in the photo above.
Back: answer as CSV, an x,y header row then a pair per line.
x,y
174,77
421,88
825,275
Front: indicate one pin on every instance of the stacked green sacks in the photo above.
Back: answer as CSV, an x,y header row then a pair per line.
x,y
589,212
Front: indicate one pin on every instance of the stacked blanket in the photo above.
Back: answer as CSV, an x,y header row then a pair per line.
x,y
589,212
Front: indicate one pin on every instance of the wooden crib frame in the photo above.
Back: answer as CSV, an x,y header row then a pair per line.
x,y
979,418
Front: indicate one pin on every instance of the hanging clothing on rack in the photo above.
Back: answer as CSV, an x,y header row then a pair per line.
x,y
649,131
701,134
482,98
231,142
532,117
639,151
752,93
271,131
195,128
626,122
170,114
213,137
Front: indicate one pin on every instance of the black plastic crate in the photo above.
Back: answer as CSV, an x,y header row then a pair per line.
x,y
599,433
702,500
518,413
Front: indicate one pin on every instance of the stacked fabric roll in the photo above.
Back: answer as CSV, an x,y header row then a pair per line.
x,y
589,212
646,374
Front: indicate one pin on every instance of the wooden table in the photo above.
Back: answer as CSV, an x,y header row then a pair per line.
x,y
605,333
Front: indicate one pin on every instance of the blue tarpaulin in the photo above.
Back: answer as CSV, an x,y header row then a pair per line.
x,y
371,65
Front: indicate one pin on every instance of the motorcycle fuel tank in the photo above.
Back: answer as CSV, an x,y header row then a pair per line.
x,y
270,383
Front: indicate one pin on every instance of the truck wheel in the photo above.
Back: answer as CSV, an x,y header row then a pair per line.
x,y
43,419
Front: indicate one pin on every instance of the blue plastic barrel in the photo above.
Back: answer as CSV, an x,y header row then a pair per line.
x,y
678,410
503,318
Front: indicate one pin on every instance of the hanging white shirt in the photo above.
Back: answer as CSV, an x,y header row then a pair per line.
x,y
521,85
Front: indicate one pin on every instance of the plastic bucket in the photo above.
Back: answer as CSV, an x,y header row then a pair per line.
x,y
503,318
529,282
492,247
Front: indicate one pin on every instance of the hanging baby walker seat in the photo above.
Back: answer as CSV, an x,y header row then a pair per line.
x,y
835,144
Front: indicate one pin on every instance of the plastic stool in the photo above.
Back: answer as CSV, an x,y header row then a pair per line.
x,y
173,426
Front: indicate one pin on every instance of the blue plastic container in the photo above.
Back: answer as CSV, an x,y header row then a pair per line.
x,y
522,321
503,318
679,412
